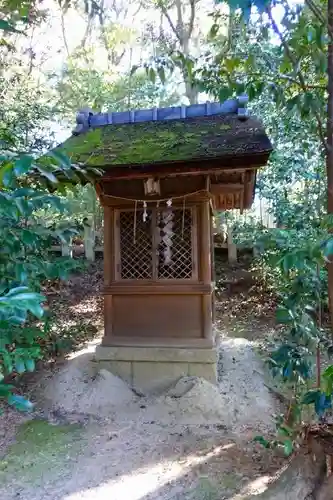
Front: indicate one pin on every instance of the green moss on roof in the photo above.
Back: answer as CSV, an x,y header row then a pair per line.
x,y
165,141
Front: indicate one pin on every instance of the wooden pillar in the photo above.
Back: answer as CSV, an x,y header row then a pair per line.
x,y
108,245
109,266
212,265
205,271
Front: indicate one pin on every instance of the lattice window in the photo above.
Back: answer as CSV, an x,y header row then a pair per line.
x,y
160,248
135,245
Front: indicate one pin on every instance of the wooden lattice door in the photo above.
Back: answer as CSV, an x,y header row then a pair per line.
x,y
156,244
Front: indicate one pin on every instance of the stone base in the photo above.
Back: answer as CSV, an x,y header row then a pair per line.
x,y
155,369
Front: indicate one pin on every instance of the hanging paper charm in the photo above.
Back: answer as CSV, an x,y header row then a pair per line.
x,y
167,219
145,215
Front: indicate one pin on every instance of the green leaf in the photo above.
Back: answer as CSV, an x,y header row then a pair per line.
x,y
27,297
61,158
288,447
286,430
20,272
311,396
20,403
5,389
224,94
283,315
7,362
214,30
328,385
232,64
22,192
23,206
19,366
17,290
6,174
23,165
328,373
28,237
49,175
261,440
289,262
30,365
7,26
36,309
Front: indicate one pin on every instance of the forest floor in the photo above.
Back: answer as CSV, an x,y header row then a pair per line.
x,y
199,447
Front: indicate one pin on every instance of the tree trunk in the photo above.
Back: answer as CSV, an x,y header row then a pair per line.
x,y
329,145
191,92
183,31
303,479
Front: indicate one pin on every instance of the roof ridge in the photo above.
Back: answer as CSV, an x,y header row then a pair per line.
x,y
86,118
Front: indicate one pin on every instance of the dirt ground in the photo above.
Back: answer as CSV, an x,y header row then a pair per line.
x,y
198,448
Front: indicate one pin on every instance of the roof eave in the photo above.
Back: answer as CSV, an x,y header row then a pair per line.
x,y
226,162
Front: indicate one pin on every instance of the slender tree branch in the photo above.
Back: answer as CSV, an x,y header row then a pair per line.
x,y
297,82
87,31
63,30
180,22
316,11
299,74
192,17
167,15
318,14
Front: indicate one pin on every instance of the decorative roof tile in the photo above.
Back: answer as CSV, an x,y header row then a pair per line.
x,y
86,119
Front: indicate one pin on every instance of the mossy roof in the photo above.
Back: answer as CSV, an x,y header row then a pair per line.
x,y
210,137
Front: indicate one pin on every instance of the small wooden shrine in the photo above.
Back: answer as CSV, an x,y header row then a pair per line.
x,y
165,171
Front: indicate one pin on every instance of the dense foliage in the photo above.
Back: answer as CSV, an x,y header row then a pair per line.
x,y
25,259
25,262
280,63
292,75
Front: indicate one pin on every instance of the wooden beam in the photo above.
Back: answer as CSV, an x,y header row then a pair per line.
x,y
109,200
250,177
158,288
110,340
201,166
225,188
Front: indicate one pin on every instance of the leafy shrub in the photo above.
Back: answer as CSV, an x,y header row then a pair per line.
x,y
26,262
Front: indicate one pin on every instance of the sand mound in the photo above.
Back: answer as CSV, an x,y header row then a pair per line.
x,y
77,389
241,402
201,404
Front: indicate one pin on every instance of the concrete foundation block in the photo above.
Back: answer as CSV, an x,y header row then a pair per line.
x,y
154,369
208,371
123,369
157,354
154,377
